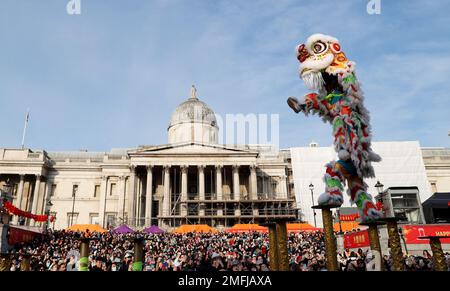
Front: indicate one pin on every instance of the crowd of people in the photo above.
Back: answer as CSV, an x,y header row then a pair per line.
x,y
58,251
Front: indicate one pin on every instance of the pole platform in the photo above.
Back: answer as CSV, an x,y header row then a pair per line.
x,y
330,239
278,252
439,261
374,238
394,243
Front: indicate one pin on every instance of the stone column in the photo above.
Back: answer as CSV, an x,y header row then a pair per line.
x,y
149,197
201,189
253,188
37,186
19,197
138,200
236,190
102,209
219,187
253,183
48,188
166,197
184,194
131,196
121,200
283,187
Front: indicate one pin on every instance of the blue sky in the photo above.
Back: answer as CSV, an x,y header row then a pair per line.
x,y
112,76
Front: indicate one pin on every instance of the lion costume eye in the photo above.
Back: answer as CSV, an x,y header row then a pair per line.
x,y
319,47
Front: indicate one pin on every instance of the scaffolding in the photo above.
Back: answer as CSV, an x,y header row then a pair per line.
x,y
227,212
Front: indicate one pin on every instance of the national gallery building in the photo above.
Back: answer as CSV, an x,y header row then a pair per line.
x,y
195,180
192,179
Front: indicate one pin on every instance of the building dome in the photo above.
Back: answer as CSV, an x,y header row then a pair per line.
x,y
193,121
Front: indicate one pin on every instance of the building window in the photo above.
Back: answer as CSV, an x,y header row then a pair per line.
x,y
433,187
112,190
93,218
406,207
111,220
53,190
74,190
96,190
72,218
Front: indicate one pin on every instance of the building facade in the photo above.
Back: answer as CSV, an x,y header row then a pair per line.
x,y
437,165
404,164
192,179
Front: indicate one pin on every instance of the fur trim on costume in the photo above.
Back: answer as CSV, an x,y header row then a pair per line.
x,y
344,155
313,80
330,200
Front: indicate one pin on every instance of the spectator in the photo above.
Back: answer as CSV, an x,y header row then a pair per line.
x,y
194,252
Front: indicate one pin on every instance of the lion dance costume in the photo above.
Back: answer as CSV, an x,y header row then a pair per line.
x,y
325,69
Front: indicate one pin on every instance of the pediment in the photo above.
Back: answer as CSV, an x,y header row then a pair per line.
x,y
192,149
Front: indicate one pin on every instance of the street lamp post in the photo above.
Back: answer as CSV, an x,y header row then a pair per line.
x,y
339,219
73,206
400,232
379,188
47,212
311,187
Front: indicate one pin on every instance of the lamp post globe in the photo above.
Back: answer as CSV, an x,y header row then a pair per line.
x,y
379,187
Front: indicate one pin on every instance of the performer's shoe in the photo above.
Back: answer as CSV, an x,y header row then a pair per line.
x,y
294,104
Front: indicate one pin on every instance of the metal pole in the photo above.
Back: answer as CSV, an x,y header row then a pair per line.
x,y
5,262
439,261
84,254
25,263
330,239
273,247
403,239
25,128
395,244
73,209
339,219
283,257
138,260
314,211
375,241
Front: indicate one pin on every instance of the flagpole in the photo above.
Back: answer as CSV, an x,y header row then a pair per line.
x,y
25,128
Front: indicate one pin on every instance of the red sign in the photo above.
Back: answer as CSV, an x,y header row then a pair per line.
x,y
18,235
413,232
357,239
349,217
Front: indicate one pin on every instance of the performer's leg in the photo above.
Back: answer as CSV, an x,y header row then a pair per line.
x,y
334,181
357,190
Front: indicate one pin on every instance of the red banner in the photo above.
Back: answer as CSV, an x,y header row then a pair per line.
x,y
18,235
16,211
357,239
413,232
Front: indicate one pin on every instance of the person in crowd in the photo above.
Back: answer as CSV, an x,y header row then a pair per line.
x,y
222,251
